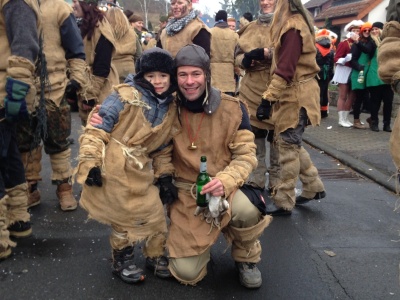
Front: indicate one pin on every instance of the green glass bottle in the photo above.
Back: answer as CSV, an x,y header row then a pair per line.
x,y
202,179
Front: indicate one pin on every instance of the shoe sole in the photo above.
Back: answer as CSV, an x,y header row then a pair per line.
x,y
140,279
21,234
69,208
282,213
250,286
34,204
318,196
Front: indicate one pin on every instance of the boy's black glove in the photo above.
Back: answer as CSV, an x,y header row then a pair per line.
x,y
94,177
168,191
264,109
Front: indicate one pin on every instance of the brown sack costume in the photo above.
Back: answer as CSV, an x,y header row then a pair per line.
x,y
291,99
174,43
254,82
128,197
233,153
98,87
389,68
223,43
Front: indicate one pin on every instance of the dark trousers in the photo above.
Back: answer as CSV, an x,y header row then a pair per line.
x,y
361,95
323,94
12,171
381,93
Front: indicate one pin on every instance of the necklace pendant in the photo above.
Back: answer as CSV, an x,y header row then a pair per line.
x,y
192,146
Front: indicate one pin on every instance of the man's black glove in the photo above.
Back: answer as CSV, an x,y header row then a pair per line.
x,y
255,54
71,91
94,177
264,109
168,191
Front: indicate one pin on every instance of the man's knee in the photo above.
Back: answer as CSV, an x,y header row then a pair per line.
x,y
244,213
189,270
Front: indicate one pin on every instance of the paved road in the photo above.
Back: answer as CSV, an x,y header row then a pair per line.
x,y
68,257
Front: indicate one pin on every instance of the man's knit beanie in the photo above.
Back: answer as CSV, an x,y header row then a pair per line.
x,y
221,15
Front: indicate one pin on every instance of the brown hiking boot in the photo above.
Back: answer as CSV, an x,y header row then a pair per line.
x,y
34,194
66,198
357,124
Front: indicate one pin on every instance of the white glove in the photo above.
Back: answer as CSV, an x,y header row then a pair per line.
x,y
348,57
217,207
341,61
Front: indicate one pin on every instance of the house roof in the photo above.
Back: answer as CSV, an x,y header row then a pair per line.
x,y
314,3
358,10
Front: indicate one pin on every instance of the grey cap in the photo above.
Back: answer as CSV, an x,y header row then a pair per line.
x,y
195,56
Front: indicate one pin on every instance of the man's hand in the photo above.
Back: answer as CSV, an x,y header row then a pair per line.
x,y
168,191
214,187
264,109
94,177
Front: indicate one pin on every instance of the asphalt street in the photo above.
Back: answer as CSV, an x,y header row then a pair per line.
x,y
346,246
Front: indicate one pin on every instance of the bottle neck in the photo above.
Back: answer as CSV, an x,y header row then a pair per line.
x,y
203,167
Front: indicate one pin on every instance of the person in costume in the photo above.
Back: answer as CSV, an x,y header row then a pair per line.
x,y
67,75
19,42
184,28
122,155
291,102
99,43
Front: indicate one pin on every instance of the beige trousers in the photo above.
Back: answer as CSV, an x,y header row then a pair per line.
x,y
244,229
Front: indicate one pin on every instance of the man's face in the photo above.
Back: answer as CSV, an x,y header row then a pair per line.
x,y
76,6
138,25
232,25
191,82
180,8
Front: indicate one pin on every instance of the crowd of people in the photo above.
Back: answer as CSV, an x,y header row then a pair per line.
x,y
151,108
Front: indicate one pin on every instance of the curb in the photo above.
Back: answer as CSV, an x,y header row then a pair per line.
x,y
361,167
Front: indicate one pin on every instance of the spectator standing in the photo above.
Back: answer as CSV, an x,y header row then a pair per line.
x,y
325,56
342,72
223,43
379,91
19,42
362,51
